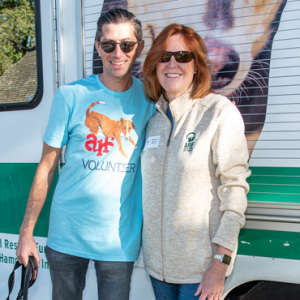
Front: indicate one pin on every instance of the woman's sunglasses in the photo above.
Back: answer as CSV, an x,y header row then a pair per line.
x,y
110,46
180,56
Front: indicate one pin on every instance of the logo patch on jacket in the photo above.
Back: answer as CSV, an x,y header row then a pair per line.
x,y
190,141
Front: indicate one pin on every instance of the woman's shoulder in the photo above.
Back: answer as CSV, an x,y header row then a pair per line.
x,y
215,101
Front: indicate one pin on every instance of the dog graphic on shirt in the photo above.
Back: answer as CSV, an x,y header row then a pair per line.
x,y
110,128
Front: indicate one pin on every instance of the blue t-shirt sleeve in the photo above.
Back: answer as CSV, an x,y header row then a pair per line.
x,y
152,110
56,134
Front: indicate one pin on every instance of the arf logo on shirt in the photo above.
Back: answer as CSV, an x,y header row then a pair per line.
x,y
190,141
113,129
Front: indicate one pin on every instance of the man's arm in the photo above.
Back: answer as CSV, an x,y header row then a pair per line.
x,y
37,196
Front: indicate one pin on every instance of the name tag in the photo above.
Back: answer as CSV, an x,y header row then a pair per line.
x,y
152,142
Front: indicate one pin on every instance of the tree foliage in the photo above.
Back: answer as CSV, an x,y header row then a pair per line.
x,y
17,31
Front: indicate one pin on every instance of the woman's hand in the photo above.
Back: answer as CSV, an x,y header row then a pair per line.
x,y
212,284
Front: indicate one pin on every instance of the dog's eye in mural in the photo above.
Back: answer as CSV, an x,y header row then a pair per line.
x,y
238,36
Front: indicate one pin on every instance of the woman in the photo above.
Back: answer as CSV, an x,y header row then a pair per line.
x,y
194,168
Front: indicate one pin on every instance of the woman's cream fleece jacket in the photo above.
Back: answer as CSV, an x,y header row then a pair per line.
x,y
194,186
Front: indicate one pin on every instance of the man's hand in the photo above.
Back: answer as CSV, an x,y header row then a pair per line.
x,y
37,196
26,247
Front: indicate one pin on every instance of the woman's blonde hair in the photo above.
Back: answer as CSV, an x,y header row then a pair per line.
x,y
202,78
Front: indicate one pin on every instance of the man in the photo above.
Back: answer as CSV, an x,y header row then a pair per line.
x,y
96,209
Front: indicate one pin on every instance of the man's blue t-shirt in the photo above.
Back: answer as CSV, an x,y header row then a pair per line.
x,y
96,210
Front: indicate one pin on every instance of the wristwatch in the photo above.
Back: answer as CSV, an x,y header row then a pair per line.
x,y
224,258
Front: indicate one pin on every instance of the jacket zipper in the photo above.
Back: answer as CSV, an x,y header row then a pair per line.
x,y
171,129
168,142
162,195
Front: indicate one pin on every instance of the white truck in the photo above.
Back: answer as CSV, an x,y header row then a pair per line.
x,y
254,50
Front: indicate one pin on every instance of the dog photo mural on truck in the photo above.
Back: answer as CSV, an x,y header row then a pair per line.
x,y
238,35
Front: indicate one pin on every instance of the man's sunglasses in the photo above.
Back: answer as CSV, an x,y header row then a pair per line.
x,y
110,46
180,56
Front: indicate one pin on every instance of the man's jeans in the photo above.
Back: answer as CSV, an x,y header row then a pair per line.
x,y
68,275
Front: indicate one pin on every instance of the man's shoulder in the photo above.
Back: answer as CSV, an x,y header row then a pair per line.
x,y
138,84
79,85
138,87
140,98
82,82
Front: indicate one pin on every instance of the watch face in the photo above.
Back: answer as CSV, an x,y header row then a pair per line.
x,y
226,259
